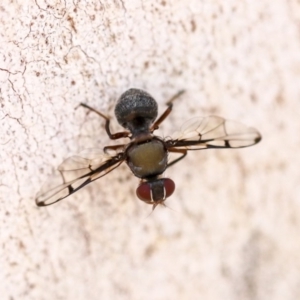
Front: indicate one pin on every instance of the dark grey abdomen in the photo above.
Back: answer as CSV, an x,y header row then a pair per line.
x,y
136,110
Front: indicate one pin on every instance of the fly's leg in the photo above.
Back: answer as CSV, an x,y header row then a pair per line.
x,y
167,111
113,147
183,153
112,136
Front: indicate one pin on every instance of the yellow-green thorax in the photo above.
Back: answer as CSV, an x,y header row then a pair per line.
x,y
147,159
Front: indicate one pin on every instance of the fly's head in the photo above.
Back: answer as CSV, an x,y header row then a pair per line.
x,y
155,191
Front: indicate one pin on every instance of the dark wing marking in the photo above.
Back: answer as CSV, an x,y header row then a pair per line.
x,y
75,173
214,132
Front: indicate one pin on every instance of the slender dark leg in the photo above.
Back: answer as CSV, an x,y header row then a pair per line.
x,y
174,150
167,111
112,136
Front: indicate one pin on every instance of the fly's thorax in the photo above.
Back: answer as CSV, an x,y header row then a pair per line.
x,y
148,158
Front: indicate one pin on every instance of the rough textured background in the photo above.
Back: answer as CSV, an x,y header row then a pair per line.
x,y
233,228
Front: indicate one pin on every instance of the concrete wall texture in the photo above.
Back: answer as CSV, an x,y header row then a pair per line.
x,y
230,230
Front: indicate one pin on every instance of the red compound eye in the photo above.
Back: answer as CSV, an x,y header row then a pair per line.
x,y
169,186
144,191
152,191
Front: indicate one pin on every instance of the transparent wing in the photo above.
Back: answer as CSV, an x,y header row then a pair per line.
x,y
75,173
213,132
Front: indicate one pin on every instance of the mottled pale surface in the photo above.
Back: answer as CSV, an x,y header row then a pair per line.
x,y
233,230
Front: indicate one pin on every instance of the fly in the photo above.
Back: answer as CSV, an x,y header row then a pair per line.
x,y
146,154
